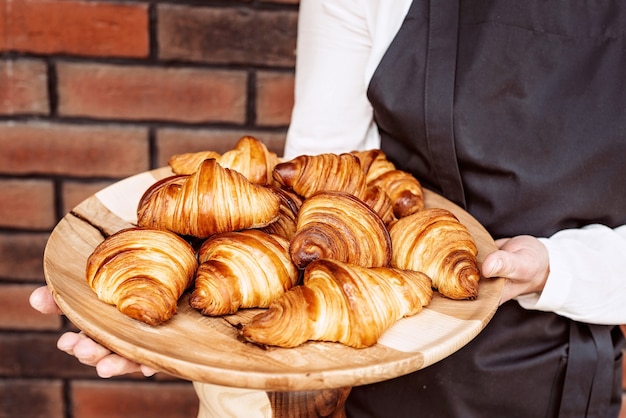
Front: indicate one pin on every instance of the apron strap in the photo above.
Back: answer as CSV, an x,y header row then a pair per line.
x,y
588,388
439,96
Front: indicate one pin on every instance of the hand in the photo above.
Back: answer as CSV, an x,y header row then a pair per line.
x,y
524,262
86,350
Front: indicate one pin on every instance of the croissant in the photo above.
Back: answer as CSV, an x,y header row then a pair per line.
x,y
339,226
211,200
435,242
187,163
308,174
249,157
343,303
285,225
404,189
380,202
143,272
247,269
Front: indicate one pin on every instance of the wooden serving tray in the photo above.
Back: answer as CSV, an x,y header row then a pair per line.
x,y
205,349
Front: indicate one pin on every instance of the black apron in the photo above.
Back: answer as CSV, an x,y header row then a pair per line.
x,y
515,110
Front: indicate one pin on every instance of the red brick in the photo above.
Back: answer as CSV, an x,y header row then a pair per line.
x,y
75,150
227,35
74,192
17,314
100,399
4,17
149,93
24,87
22,255
177,141
87,28
27,204
31,398
274,98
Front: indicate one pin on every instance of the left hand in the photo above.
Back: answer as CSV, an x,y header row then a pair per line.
x,y
524,262
86,350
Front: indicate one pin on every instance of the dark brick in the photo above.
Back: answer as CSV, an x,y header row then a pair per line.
x,y
227,35
31,398
36,355
22,255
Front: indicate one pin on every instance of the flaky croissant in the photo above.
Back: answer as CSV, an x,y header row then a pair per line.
x,y
249,157
189,162
404,189
309,174
343,303
435,242
339,226
379,201
246,269
287,222
143,272
211,200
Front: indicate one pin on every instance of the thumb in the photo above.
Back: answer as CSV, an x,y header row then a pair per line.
x,y
523,260
520,257
498,264
42,300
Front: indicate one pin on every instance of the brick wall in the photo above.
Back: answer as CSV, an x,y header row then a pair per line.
x,y
92,92
95,91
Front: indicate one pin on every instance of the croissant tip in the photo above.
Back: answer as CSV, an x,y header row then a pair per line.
x,y
146,316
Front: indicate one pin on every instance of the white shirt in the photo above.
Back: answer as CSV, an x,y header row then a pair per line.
x,y
340,43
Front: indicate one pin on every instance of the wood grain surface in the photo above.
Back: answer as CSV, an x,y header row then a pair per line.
x,y
205,349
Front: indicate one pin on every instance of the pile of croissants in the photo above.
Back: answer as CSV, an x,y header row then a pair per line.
x,y
335,247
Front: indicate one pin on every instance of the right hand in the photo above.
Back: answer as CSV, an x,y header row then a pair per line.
x,y
525,263
86,350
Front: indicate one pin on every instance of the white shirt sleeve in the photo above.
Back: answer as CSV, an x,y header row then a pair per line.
x,y
331,111
339,46
587,280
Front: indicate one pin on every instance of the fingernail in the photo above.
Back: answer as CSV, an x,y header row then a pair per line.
x,y
496,267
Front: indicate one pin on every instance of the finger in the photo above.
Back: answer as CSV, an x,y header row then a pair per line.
x,y
147,371
89,352
82,347
42,300
67,342
493,264
114,365
506,264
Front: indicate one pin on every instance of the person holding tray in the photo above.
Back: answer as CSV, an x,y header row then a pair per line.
x,y
517,113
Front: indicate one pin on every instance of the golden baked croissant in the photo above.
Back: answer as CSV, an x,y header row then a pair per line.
x,y
343,303
285,225
143,272
380,202
403,188
339,226
249,157
435,242
211,200
308,174
187,163
246,269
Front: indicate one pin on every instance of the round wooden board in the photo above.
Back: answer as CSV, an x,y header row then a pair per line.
x,y
205,349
